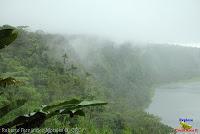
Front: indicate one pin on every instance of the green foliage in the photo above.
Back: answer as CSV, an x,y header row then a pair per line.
x,y
8,82
127,75
71,105
11,106
53,70
7,36
36,119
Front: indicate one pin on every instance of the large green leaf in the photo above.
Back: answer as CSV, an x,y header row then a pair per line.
x,y
69,106
36,119
13,105
68,103
74,112
92,103
7,36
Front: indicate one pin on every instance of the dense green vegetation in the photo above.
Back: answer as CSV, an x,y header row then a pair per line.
x,y
27,123
55,67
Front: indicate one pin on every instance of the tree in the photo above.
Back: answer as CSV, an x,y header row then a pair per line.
x,y
35,119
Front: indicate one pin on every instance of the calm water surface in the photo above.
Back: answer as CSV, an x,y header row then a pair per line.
x,y
174,101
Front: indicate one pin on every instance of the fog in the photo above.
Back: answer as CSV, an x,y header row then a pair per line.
x,y
154,21
124,52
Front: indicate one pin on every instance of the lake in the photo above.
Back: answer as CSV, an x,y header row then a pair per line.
x,y
174,101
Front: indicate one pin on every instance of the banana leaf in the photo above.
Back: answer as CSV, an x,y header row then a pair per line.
x,y
36,119
13,105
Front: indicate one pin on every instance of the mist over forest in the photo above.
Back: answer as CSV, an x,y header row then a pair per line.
x,y
98,67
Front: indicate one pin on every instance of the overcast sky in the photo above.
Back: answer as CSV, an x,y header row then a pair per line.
x,y
160,21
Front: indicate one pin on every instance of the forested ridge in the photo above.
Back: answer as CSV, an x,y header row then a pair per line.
x,y
55,67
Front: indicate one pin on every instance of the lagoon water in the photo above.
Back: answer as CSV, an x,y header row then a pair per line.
x,y
174,101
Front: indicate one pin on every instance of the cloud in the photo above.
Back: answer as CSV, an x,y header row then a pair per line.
x,y
157,21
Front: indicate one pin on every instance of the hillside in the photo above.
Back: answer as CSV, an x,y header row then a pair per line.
x,y
55,67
